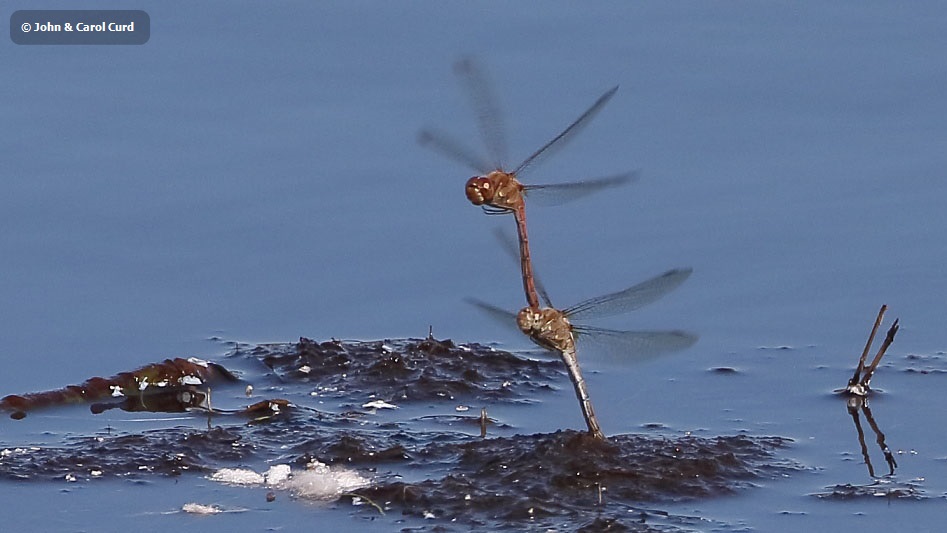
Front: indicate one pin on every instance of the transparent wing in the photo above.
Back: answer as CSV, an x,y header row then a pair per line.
x,y
560,193
485,104
451,148
560,140
629,299
626,346
501,315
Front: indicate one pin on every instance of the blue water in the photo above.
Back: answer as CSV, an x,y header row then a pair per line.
x,y
251,173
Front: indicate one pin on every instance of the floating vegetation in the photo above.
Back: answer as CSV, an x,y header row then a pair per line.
x,y
406,370
169,386
547,478
882,488
564,479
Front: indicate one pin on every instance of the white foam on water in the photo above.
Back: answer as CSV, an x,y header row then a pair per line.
x,y
317,482
238,476
199,508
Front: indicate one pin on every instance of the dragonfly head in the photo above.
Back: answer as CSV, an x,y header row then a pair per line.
x,y
530,320
480,190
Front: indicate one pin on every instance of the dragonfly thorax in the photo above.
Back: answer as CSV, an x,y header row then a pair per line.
x,y
546,327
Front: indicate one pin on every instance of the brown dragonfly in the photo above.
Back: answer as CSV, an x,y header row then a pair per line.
x,y
499,191
553,329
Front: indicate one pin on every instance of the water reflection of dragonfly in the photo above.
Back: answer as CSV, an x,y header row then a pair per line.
x,y
499,191
552,329
858,389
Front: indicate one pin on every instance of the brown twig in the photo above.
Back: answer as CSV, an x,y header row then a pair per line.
x,y
881,352
367,500
871,338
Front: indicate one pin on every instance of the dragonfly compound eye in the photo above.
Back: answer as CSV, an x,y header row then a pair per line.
x,y
526,320
479,190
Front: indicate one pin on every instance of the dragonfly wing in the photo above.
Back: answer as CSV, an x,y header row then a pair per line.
x,y
449,147
629,299
560,140
560,193
485,104
627,346
499,314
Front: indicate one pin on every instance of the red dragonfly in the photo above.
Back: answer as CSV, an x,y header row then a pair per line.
x,y
552,329
499,191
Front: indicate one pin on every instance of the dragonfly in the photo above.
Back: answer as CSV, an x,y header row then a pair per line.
x,y
553,329
499,191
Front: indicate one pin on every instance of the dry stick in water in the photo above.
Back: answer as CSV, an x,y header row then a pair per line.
x,y
871,338
859,384
881,352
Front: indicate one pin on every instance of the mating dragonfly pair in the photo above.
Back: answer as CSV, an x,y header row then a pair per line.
x,y
499,191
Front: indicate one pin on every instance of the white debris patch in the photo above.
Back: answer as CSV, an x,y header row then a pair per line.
x,y
190,380
7,452
116,391
197,361
379,404
199,508
238,476
317,482
277,474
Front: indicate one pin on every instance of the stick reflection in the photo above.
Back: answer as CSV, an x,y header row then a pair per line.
x,y
860,403
858,389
